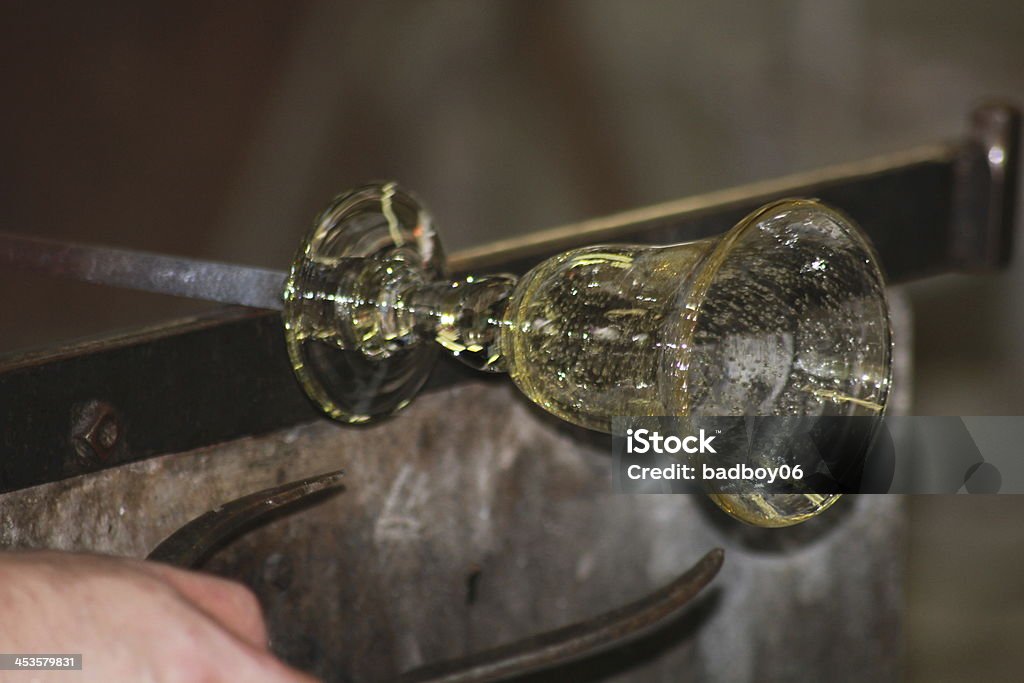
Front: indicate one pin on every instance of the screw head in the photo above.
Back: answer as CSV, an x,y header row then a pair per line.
x,y
96,430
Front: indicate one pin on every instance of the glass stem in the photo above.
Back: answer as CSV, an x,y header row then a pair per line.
x,y
465,316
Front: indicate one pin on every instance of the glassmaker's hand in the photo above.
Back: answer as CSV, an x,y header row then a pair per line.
x,y
132,621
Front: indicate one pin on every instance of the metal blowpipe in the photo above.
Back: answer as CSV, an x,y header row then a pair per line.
x,y
195,279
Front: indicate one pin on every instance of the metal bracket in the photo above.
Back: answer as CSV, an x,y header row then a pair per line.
x,y
986,190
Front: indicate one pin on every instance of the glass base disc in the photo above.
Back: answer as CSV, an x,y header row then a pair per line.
x,y
352,351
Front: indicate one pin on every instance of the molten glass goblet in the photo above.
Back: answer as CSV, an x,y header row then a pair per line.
x,y
785,314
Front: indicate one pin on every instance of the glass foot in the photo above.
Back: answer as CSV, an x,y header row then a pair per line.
x,y
370,245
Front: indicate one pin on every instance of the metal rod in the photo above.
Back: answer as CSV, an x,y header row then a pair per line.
x,y
207,280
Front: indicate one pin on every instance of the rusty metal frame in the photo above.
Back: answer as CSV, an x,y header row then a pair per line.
x,y
934,209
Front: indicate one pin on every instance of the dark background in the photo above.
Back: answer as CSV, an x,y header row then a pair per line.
x,y
218,130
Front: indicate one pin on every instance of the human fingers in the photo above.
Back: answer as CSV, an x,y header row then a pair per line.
x,y
230,604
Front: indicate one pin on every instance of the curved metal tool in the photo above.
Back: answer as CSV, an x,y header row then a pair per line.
x,y
577,641
195,541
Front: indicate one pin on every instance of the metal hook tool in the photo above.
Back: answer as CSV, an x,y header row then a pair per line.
x,y
191,544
